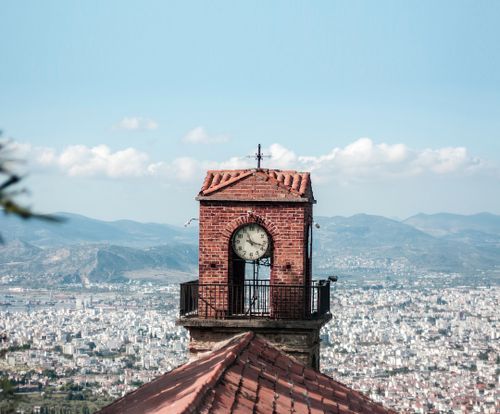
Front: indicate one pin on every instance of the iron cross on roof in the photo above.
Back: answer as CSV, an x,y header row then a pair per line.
x,y
259,156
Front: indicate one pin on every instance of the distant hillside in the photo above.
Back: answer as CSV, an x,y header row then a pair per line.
x,y
84,249
481,231
444,224
77,229
22,262
378,242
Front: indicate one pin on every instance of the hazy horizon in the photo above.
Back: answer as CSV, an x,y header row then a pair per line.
x,y
194,223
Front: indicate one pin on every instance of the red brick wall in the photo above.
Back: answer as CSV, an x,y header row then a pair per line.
x,y
285,222
286,218
287,225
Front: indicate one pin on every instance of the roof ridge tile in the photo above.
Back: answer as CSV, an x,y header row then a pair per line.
x,y
296,182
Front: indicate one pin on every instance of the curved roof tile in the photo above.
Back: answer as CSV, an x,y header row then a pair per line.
x,y
293,181
247,374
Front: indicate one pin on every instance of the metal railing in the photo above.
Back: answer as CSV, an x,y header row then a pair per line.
x,y
255,299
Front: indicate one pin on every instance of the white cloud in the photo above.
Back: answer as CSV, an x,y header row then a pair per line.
x,y
364,160
98,161
135,123
46,156
199,135
233,163
360,161
186,168
445,160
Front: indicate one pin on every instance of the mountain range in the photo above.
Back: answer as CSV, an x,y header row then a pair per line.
x,y
421,243
78,229
81,249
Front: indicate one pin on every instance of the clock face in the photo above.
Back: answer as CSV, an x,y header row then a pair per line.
x,y
250,242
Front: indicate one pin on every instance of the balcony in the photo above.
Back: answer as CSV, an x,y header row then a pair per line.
x,y
255,299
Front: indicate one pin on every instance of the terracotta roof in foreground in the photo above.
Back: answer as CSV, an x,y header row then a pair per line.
x,y
246,375
294,181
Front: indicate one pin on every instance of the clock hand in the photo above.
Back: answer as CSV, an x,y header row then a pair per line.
x,y
250,240
254,242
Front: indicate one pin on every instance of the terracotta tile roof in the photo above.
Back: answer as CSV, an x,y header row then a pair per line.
x,y
249,375
294,181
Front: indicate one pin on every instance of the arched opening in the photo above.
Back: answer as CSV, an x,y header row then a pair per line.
x,y
250,262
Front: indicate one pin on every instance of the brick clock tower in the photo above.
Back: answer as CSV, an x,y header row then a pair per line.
x,y
255,269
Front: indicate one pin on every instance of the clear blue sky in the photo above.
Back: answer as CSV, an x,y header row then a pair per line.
x,y
121,106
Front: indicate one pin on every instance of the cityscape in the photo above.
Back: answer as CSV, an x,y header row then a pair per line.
x,y
255,206
424,344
